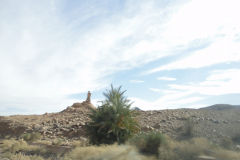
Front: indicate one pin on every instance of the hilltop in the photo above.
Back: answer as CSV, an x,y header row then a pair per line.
x,y
222,107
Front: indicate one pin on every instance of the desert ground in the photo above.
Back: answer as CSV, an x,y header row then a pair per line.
x,y
55,135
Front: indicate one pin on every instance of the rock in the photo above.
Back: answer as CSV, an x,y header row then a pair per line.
x,y
45,128
82,123
238,147
226,122
203,157
55,120
56,125
77,105
70,108
83,139
147,128
49,132
157,126
214,121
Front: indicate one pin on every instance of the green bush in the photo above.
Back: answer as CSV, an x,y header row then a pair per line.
x,y
236,138
149,143
31,137
227,143
113,121
189,128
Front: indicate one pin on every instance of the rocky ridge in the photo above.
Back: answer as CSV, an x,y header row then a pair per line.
x,y
70,123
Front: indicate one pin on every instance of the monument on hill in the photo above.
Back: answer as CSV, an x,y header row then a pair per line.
x,y
85,104
88,100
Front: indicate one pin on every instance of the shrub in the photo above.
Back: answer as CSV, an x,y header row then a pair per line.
x,y
189,128
13,146
20,156
108,152
149,143
113,121
191,149
13,149
31,137
227,143
236,138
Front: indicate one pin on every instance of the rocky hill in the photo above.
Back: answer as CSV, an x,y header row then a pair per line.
x,y
212,122
67,123
222,107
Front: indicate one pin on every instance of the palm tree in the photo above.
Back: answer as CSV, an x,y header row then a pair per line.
x,y
113,121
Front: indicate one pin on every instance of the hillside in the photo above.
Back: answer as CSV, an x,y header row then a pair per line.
x,y
212,122
222,107
62,136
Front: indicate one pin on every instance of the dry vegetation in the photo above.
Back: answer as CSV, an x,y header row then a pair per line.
x,y
192,149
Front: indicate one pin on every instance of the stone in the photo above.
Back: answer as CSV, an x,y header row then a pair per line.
x,y
83,139
203,157
147,128
56,125
216,121
82,123
55,120
157,126
238,147
226,122
37,127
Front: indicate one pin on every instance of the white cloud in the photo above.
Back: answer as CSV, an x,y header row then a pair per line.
x,y
166,78
190,22
155,89
220,82
218,24
47,55
136,81
177,99
222,51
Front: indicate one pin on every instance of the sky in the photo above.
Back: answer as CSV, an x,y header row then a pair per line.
x,y
166,54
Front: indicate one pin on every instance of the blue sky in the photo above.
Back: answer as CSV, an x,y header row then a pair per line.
x,y
167,54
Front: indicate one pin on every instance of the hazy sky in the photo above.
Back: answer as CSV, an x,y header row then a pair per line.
x,y
165,53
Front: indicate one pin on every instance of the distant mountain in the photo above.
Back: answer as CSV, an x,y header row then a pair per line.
x,y
221,107
136,109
